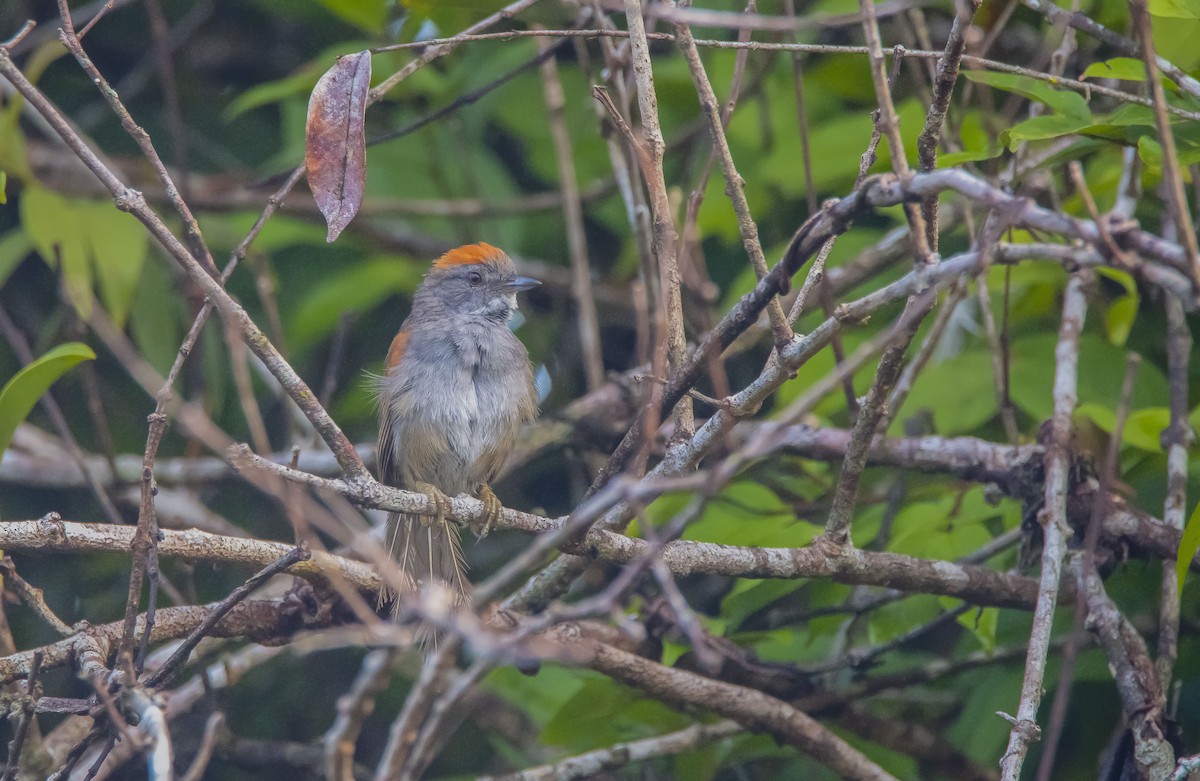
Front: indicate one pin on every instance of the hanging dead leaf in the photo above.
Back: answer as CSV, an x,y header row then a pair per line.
x,y
335,155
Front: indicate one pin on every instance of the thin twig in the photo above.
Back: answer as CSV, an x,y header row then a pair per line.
x,y
1172,174
665,237
872,415
735,186
208,743
890,122
20,345
1087,88
581,273
935,119
177,659
21,733
353,708
443,48
1087,25
34,598
1177,440
1053,519
405,728
620,755
1108,474
193,236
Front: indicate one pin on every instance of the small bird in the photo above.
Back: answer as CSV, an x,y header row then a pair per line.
x,y
456,391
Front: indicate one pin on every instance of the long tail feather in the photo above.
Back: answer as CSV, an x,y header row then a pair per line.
x,y
427,553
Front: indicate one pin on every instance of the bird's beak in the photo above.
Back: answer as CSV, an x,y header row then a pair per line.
x,y
521,284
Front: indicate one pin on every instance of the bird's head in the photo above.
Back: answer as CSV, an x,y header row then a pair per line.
x,y
476,279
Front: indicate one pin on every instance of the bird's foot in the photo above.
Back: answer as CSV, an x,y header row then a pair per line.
x,y
491,512
440,500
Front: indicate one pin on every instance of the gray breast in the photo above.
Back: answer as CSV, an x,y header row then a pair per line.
x,y
459,412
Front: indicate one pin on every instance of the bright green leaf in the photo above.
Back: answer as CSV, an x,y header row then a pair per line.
x,y
1176,9
958,158
1150,151
1124,68
959,391
118,245
1045,126
1122,278
1129,115
1175,39
980,622
1069,104
1188,545
1118,319
1101,372
23,391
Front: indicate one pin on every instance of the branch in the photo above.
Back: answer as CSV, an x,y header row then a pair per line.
x,y
665,238
260,620
51,535
754,710
1053,519
133,202
621,755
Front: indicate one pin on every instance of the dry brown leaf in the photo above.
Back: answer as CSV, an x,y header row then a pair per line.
x,y
335,156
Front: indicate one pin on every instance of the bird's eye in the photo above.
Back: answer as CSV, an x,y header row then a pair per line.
x,y
475,279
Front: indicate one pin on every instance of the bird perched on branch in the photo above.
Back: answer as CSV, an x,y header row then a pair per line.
x,y
456,391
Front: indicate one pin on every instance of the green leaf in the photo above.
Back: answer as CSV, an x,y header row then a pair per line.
x,y
1143,427
154,321
14,247
602,712
1101,372
298,83
1175,39
958,158
1150,151
357,289
981,622
23,391
370,15
1045,126
1123,68
1118,319
540,698
1175,9
1070,110
1069,104
54,225
118,244
1188,545
959,391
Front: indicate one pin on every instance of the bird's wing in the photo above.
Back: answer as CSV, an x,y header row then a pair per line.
x,y
386,448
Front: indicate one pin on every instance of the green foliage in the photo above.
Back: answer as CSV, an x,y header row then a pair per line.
x,y
87,241
22,391
1068,110
1188,546
464,177
1124,68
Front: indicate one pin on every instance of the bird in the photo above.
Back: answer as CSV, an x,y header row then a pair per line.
x,y
456,391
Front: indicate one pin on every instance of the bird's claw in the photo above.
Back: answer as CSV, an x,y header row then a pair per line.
x,y
440,500
491,512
